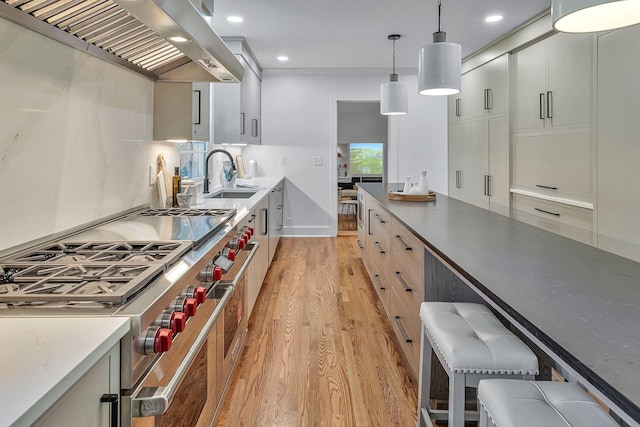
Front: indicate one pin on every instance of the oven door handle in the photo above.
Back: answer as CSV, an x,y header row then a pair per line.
x,y
153,401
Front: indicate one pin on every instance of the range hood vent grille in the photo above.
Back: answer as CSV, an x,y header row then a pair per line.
x,y
114,33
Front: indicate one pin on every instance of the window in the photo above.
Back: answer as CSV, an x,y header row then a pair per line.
x,y
365,158
192,157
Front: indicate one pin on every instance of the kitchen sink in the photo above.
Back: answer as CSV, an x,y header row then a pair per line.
x,y
231,194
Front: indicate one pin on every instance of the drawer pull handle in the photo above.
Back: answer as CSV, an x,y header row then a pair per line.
x,y
377,279
541,103
546,186
380,220
404,245
405,337
112,400
360,244
458,109
549,105
402,282
458,179
547,212
379,248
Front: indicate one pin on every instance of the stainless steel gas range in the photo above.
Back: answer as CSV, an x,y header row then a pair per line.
x,y
172,272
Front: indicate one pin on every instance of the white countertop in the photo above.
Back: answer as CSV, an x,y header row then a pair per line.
x,y
263,185
42,357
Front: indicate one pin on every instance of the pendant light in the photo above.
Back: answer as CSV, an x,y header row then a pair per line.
x,y
585,16
439,65
394,98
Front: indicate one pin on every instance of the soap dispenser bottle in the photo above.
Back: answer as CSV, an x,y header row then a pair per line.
x,y
176,187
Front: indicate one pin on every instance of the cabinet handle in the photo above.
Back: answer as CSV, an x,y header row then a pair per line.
x,y
380,220
360,244
547,212
487,185
404,245
265,220
541,103
458,179
402,282
241,123
546,186
405,337
280,227
369,222
488,99
549,104
112,400
254,127
379,248
280,206
458,113
377,279
199,109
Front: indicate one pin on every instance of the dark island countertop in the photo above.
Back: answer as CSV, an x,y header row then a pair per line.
x,y
580,301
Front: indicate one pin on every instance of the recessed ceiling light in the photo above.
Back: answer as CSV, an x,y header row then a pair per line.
x,y
178,39
235,19
493,18
283,58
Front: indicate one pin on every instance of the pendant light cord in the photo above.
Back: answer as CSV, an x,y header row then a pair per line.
x,y
394,57
439,14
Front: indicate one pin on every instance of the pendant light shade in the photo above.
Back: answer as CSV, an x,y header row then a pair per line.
x,y
439,65
394,96
585,16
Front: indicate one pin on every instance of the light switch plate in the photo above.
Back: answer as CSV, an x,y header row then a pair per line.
x,y
152,175
317,160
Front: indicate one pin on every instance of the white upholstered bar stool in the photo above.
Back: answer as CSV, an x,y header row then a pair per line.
x,y
508,403
472,345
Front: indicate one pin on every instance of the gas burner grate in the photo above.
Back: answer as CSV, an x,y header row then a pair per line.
x,y
188,212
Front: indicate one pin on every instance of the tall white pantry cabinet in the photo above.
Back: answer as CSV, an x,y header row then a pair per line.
x,y
479,137
574,138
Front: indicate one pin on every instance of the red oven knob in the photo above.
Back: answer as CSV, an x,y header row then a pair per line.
x,y
247,236
178,322
197,292
173,320
190,306
229,253
250,230
162,341
187,306
217,273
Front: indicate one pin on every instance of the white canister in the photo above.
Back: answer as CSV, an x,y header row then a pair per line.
x,y
253,168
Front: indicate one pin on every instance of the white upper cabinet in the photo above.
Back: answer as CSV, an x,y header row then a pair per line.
x,y
181,111
490,91
553,83
460,104
237,113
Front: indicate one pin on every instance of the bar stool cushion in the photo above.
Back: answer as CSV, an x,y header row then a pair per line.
x,y
472,340
511,403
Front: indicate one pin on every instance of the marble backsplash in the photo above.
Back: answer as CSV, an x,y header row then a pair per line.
x,y
75,137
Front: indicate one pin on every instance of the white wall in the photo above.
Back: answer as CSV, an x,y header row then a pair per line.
x,y
299,115
75,137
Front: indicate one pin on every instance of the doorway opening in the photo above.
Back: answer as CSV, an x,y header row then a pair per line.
x,y
362,155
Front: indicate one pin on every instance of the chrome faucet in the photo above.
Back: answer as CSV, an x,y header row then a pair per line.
x,y
206,166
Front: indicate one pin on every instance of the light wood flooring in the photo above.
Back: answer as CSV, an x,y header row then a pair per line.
x,y
319,350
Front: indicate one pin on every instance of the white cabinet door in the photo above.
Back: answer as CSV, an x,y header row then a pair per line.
x,y
480,150
201,111
461,104
460,161
262,237
490,88
618,209
530,86
569,88
226,113
81,405
499,159
250,104
557,165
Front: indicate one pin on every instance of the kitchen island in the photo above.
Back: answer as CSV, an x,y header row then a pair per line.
x,y
581,305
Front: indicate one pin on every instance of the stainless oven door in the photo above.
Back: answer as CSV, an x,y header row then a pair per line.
x,y
175,389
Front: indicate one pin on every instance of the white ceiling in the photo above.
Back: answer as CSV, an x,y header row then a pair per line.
x,y
353,33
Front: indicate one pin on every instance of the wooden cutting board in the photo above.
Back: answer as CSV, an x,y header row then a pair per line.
x,y
166,175
395,195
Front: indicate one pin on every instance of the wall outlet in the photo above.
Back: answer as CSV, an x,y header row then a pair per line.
x,y
317,160
283,160
152,175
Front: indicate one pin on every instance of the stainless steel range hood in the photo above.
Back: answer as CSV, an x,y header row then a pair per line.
x,y
134,34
